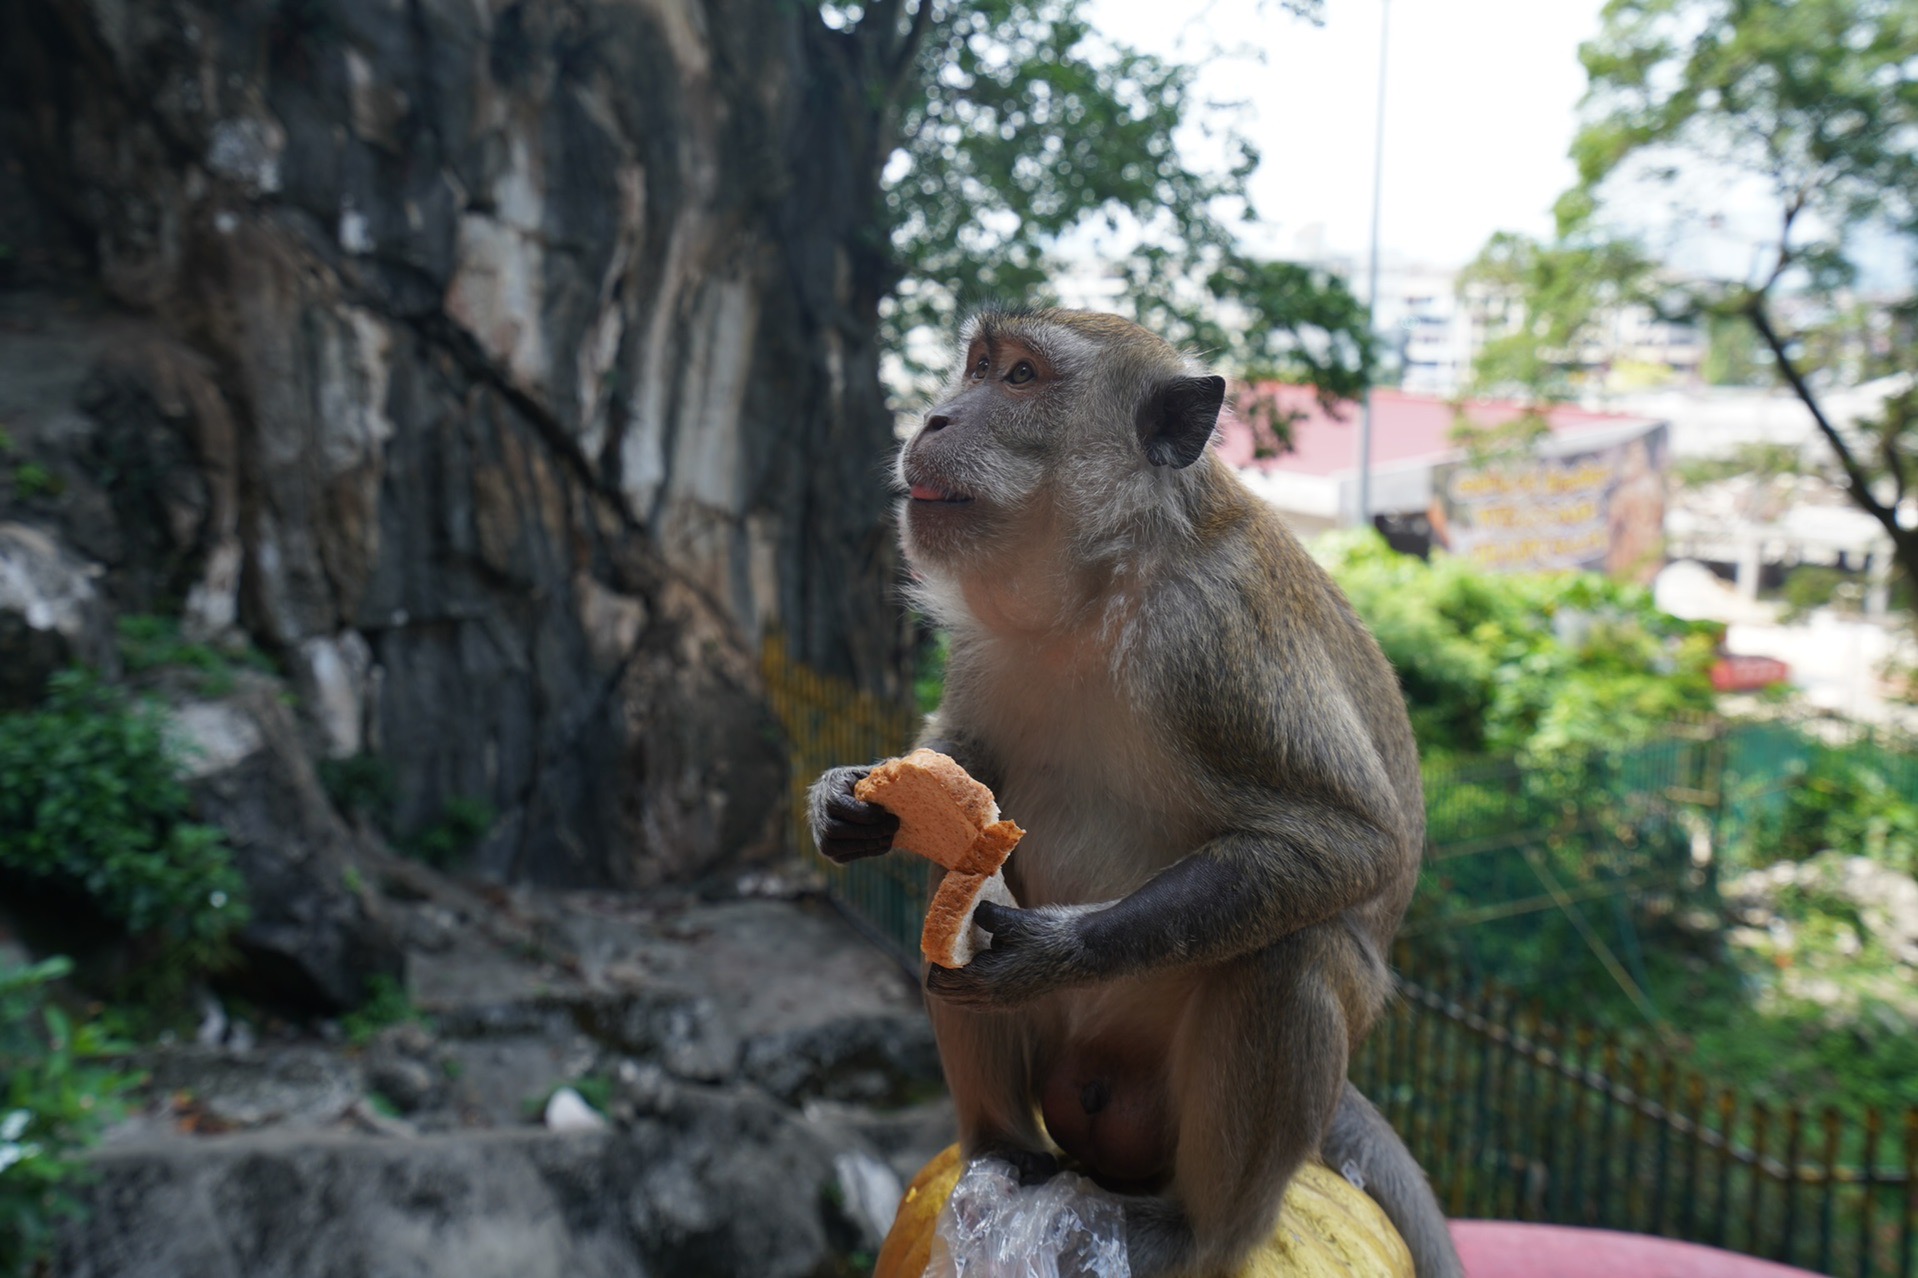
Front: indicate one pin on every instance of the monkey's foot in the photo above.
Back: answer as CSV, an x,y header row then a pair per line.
x,y
1034,1168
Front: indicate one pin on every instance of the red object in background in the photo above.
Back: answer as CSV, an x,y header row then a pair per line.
x,y
1504,1249
1748,674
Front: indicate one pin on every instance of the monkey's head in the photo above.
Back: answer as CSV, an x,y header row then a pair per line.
x,y
1057,425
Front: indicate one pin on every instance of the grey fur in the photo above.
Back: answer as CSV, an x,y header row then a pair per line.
x,y
1361,1137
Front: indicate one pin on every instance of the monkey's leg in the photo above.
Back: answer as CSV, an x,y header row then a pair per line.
x,y
1257,1071
988,1059
1360,1136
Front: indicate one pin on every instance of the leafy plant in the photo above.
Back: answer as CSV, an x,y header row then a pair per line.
x,y
387,1004
58,1091
462,823
91,799
597,1090
1533,666
1814,586
1843,800
148,642
31,480
360,785
929,680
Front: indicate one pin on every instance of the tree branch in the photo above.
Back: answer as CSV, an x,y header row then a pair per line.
x,y
1857,481
1888,450
910,45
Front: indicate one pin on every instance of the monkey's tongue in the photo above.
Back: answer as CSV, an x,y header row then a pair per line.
x,y
926,492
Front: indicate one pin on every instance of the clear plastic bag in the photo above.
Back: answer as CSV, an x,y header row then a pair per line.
x,y
994,1227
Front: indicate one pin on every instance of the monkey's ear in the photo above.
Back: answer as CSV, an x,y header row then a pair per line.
x,y
1176,423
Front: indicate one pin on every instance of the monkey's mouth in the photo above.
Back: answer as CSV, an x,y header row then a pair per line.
x,y
933,493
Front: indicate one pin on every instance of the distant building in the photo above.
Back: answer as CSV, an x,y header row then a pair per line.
x,y
1590,493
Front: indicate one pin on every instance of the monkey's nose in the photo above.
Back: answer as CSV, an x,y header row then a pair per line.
x,y
938,423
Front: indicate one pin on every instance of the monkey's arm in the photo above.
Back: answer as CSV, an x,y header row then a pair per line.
x,y
1238,893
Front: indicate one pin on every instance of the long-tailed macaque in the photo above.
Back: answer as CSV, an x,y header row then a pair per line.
x,y
1221,792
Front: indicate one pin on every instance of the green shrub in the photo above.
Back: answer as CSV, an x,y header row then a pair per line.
x,y
1813,586
1531,666
462,823
1842,800
150,642
31,479
360,785
57,1092
91,799
387,1003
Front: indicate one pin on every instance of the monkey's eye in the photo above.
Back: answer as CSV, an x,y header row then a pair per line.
x,y
1021,373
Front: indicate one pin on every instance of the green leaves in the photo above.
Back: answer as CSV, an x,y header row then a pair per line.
x,y
1545,305
1022,127
91,798
1539,667
57,1093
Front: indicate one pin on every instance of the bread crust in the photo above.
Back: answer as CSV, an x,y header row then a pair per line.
x,y
950,938
953,821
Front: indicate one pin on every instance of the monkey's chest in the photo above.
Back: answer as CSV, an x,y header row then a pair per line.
x,y
1097,795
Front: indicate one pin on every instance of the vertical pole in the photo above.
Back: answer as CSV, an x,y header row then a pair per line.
x,y
1372,279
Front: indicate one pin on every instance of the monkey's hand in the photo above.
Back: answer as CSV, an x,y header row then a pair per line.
x,y
843,828
1033,952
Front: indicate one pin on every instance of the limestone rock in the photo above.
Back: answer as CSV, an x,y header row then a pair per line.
x,y
312,938
507,372
51,614
724,1184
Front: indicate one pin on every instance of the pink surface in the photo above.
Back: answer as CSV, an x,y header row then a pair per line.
x,y
1505,1249
1404,428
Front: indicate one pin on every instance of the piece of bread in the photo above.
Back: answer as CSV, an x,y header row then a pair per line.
x,y
951,938
944,815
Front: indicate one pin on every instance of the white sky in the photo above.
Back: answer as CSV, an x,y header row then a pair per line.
x,y
1479,114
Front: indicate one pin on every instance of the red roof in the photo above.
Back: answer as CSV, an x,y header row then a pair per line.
x,y
1405,428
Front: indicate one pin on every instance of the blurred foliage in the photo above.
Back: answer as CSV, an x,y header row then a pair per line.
x,y
1812,106
362,786
1523,666
32,480
929,679
1018,125
461,824
1732,354
1847,799
91,800
1546,308
58,1091
1810,587
149,642
387,1004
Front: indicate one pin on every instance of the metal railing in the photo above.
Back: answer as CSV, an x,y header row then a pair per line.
x,y
1516,1118
828,723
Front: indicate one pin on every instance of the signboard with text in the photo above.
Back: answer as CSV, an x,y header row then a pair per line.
x,y
1601,509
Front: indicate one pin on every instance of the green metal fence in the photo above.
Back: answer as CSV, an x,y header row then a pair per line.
x,y
828,723
1517,1118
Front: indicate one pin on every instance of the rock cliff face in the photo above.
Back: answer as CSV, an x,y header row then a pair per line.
x,y
503,370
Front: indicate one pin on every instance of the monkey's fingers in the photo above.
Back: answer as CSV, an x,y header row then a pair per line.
x,y
840,849
1007,924
994,978
846,810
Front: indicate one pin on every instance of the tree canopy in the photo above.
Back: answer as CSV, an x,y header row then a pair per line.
x,y
1805,111
1010,126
